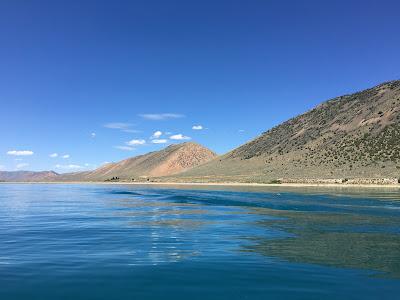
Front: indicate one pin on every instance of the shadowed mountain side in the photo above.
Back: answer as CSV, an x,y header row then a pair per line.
x,y
352,136
168,161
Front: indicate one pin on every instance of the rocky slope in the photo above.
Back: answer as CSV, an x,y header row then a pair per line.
x,y
169,161
27,176
352,136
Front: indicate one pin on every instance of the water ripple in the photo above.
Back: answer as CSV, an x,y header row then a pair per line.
x,y
65,233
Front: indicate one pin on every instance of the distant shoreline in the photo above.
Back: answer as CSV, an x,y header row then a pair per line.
x,y
299,185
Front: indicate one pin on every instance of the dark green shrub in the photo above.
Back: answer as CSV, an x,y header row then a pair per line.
x,y
275,181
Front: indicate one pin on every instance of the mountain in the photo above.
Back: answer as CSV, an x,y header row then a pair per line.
x,y
171,160
352,136
27,176
348,137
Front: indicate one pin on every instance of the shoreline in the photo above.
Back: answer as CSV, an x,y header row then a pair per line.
x,y
235,184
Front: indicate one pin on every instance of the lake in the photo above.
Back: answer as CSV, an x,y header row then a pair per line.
x,y
159,242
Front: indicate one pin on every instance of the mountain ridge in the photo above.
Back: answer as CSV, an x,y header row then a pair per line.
x,y
168,161
27,176
351,136
355,135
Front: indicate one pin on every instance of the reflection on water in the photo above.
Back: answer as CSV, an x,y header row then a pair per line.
x,y
253,242
341,240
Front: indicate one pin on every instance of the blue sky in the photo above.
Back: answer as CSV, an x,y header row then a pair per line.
x,y
92,81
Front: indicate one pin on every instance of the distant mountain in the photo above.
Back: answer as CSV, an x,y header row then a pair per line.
x,y
171,160
27,176
351,136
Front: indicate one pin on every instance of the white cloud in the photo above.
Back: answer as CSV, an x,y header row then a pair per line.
x,y
53,155
131,130
66,156
126,127
93,134
241,130
68,167
159,141
136,142
179,137
197,127
156,134
2,167
117,125
125,148
22,165
159,117
20,152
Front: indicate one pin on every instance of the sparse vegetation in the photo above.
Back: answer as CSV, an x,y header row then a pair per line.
x,y
113,179
275,181
354,135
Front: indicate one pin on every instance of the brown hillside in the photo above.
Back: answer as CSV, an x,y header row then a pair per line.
x,y
169,161
27,176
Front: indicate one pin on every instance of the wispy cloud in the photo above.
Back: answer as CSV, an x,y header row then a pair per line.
x,y
66,156
179,137
124,148
93,134
53,155
20,152
117,125
69,167
159,141
241,130
125,127
160,117
21,165
136,142
197,127
156,134
2,167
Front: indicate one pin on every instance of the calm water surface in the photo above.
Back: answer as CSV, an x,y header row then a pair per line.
x,y
136,242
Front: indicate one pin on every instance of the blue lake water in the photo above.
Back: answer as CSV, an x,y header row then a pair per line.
x,y
141,242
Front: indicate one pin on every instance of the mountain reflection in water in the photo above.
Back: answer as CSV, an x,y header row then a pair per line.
x,y
118,242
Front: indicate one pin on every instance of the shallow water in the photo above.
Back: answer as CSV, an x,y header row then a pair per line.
x,y
120,242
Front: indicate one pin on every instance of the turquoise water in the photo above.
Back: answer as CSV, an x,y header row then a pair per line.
x,y
137,242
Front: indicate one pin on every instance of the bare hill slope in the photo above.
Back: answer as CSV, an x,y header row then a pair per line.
x,y
168,161
27,176
352,136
